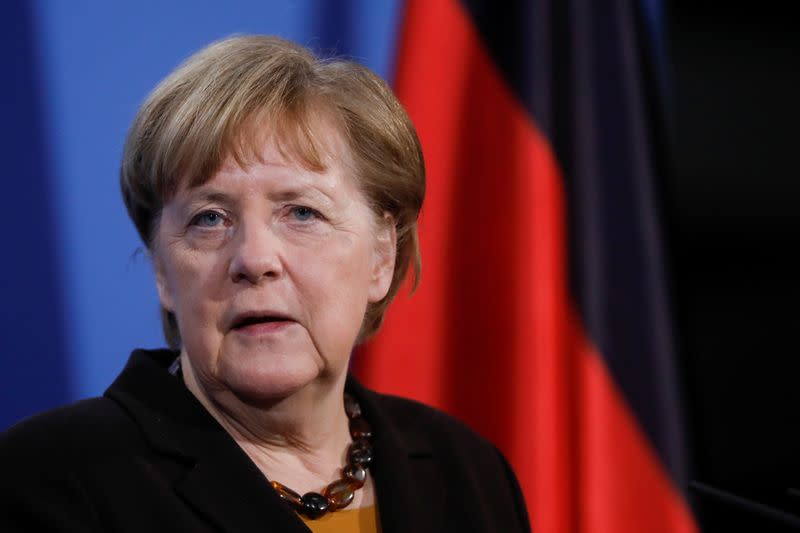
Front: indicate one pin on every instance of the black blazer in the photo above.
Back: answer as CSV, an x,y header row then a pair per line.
x,y
147,457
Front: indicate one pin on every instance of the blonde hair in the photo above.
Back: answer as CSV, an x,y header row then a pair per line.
x,y
210,107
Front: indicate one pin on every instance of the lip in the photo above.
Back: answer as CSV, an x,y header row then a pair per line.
x,y
248,323
263,328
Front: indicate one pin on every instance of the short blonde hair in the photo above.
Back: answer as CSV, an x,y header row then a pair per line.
x,y
209,108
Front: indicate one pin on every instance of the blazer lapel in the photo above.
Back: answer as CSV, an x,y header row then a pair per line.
x,y
220,482
409,488
208,487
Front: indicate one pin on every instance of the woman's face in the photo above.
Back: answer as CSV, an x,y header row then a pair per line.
x,y
269,270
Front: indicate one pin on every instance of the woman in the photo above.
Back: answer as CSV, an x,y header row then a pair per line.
x,y
278,196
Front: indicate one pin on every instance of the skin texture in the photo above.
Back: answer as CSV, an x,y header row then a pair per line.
x,y
277,239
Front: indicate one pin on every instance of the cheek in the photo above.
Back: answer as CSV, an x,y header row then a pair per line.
x,y
335,280
344,259
194,279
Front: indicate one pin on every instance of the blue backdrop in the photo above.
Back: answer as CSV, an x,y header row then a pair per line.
x,y
79,293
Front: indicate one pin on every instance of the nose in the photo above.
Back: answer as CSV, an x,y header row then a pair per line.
x,y
256,255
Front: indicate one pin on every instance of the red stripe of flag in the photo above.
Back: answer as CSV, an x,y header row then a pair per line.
x,y
491,335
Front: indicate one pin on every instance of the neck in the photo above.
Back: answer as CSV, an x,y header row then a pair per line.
x,y
300,440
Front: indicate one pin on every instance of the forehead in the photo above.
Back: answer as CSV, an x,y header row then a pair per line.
x,y
271,169
311,147
309,138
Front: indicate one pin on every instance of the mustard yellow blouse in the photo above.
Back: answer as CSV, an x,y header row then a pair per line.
x,y
362,520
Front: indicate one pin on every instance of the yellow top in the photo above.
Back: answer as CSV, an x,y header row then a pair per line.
x,y
362,520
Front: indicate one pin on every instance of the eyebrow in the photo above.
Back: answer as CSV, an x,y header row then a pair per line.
x,y
212,196
290,195
286,196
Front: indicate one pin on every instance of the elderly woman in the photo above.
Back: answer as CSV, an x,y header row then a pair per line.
x,y
278,196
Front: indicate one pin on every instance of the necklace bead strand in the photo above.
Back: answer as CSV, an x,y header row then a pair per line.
x,y
340,493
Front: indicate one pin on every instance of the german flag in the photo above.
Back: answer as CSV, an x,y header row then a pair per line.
x,y
542,318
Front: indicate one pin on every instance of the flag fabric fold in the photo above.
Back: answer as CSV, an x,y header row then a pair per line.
x,y
542,317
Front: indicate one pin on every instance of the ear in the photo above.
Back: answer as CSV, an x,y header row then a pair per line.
x,y
383,259
164,291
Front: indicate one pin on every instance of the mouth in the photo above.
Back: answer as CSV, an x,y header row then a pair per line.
x,y
256,322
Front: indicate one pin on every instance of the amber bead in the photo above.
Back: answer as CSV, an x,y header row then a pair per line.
x,y
339,493
359,429
357,474
287,494
314,504
351,407
360,453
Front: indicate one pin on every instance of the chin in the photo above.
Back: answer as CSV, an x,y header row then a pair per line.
x,y
269,378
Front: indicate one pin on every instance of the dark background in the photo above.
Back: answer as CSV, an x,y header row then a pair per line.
x,y
731,208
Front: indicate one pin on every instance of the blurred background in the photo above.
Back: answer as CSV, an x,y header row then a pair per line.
x,y
733,219
79,289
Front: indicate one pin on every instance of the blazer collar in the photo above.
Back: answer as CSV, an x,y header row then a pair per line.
x,y
176,425
408,483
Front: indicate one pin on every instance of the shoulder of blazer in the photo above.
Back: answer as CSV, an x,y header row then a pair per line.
x,y
465,466
46,462
83,428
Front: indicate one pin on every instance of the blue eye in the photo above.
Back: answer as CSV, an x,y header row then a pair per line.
x,y
208,219
303,213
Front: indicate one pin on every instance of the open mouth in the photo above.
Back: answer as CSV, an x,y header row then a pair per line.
x,y
249,321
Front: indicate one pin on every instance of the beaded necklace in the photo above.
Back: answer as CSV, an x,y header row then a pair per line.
x,y
340,493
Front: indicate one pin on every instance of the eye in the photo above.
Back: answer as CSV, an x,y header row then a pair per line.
x,y
303,213
208,219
